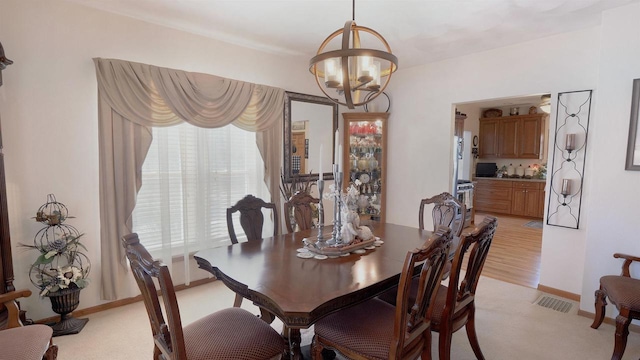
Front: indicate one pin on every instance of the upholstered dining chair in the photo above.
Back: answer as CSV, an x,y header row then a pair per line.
x,y
226,334
447,211
252,221
251,218
18,342
300,205
454,305
624,292
377,330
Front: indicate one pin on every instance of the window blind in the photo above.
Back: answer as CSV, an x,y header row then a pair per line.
x,y
190,177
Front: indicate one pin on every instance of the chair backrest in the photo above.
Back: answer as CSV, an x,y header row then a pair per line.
x,y
462,293
167,334
412,317
447,211
300,206
251,218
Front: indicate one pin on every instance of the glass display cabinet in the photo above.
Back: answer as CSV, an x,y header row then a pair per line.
x,y
365,138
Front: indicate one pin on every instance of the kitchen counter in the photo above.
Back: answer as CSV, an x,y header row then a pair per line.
x,y
513,196
509,179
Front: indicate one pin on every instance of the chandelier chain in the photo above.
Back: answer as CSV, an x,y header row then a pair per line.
x,y
353,10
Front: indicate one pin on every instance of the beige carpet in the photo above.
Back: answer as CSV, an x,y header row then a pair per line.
x,y
509,327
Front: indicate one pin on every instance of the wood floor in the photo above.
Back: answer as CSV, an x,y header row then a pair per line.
x,y
514,256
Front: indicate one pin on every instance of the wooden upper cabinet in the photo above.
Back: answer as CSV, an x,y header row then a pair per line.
x,y
511,137
488,145
459,128
531,136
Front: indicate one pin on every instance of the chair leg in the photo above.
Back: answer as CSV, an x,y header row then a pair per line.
x,y
600,304
471,333
426,351
52,352
316,349
444,346
622,330
238,301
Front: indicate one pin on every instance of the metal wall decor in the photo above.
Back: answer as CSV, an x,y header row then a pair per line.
x,y
569,158
633,146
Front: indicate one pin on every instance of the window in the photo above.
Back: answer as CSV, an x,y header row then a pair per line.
x,y
190,177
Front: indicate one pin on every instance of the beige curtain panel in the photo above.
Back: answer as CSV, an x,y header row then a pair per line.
x,y
134,97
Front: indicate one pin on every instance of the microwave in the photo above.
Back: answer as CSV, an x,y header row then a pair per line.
x,y
486,169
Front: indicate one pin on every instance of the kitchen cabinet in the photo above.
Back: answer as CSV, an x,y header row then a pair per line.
x,y
488,145
512,197
492,196
365,141
511,137
526,199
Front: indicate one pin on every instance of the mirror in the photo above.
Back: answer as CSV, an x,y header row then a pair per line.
x,y
309,122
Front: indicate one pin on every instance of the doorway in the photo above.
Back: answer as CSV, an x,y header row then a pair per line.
x,y
515,255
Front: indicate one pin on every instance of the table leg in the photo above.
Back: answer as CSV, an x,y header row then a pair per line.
x,y
294,339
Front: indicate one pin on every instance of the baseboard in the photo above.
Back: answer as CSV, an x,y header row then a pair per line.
x,y
558,292
607,320
118,303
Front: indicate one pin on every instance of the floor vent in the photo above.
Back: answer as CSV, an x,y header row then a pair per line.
x,y
554,303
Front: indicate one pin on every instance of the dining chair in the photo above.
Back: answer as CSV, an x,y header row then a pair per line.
x,y
454,305
252,221
251,218
377,330
447,211
231,333
18,342
299,205
624,292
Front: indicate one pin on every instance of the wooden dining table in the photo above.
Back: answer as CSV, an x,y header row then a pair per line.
x,y
301,291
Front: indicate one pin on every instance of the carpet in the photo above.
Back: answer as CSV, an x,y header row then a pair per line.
x,y
536,224
509,325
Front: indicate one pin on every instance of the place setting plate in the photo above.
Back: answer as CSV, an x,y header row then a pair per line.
x,y
305,255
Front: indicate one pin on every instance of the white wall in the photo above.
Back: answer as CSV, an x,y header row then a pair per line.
x,y
603,59
614,207
422,98
49,108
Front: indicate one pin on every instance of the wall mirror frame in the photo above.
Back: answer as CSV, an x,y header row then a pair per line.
x,y
300,113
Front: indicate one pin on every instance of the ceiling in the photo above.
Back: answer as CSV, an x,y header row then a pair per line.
x,y
419,31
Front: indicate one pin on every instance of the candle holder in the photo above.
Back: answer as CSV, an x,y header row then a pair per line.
x,y
336,236
321,243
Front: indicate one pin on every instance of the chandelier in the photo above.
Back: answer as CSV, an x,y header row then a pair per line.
x,y
353,66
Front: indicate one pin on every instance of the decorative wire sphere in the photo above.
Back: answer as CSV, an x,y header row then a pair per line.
x,y
352,68
52,212
55,237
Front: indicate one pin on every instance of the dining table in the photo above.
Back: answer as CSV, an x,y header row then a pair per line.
x,y
300,291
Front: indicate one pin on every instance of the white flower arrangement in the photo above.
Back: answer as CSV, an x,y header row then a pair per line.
x,y
65,277
349,198
60,265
